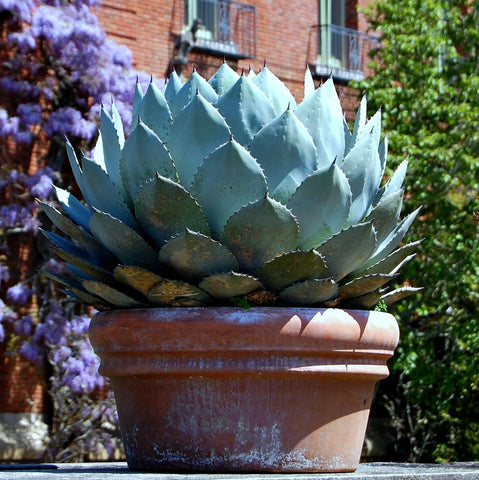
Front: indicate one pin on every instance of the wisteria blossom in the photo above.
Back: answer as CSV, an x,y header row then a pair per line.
x,y
58,67
19,294
21,214
72,41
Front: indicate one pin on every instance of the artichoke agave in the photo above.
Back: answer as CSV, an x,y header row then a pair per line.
x,y
228,190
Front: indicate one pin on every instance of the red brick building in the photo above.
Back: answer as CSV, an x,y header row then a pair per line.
x,y
327,35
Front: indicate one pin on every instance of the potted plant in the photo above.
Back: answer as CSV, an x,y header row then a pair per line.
x,y
222,241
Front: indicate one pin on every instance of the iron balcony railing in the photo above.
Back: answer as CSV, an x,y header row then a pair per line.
x,y
339,51
227,27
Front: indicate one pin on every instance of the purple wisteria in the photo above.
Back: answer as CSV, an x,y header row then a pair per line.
x,y
71,64
57,67
20,213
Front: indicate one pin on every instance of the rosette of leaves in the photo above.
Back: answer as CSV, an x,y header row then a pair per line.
x,y
228,190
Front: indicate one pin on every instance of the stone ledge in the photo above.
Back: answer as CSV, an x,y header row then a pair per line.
x,y
23,436
366,471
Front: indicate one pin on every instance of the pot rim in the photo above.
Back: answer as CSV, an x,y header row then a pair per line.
x,y
355,327
198,339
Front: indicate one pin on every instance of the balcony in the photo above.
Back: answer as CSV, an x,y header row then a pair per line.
x,y
228,28
339,51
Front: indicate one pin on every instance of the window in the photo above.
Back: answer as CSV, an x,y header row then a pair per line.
x,y
331,15
227,27
340,49
214,17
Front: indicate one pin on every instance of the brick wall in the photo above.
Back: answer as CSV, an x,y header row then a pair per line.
x,y
22,386
144,26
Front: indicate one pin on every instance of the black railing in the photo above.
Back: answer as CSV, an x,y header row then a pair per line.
x,y
227,28
339,51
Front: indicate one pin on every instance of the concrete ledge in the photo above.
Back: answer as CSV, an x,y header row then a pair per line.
x,y
23,436
366,471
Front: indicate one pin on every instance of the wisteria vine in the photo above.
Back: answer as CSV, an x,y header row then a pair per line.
x,y
57,68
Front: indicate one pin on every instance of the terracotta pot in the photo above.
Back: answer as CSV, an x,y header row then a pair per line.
x,y
226,389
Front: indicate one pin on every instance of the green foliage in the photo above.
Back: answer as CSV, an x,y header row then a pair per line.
x,y
381,307
426,78
240,302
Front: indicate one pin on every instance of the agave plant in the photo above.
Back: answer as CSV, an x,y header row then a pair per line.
x,y
228,190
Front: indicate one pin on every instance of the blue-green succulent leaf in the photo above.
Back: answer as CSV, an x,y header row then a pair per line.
x,y
286,152
402,263
348,250
173,86
138,278
348,137
385,215
309,87
62,279
74,208
359,124
84,239
110,294
276,91
362,168
246,109
103,193
165,209
310,292
370,300
195,84
396,181
82,296
259,232
322,115
392,240
226,181
395,295
383,153
137,98
75,271
372,127
108,148
196,131
363,285
124,242
367,301
394,184
193,255
68,246
173,293
223,79
153,110
290,268
393,262
321,205
78,257
115,128
228,285
118,123
84,267
77,171
143,156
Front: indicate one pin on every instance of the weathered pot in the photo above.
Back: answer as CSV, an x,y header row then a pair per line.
x,y
227,389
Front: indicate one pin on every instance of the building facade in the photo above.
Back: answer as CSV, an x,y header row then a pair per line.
x,y
327,35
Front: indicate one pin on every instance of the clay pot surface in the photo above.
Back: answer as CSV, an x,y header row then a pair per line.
x,y
232,390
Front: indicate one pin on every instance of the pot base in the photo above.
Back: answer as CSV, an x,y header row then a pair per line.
x,y
275,424
228,390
